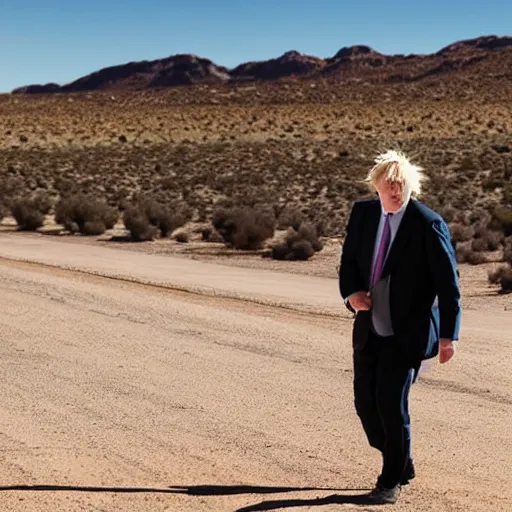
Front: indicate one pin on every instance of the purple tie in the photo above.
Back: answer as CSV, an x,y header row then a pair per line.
x,y
383,250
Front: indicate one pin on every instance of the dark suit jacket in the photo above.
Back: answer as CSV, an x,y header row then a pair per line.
x,y
420,266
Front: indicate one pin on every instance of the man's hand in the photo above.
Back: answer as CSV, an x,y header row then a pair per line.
x,y
446,350
360,301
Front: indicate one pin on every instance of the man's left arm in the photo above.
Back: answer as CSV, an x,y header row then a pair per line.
x,y
443,268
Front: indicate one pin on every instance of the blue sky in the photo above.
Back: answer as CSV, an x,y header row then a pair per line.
x,y
61,40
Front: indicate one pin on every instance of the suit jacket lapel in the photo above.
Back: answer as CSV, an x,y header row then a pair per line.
x,y
369,240
397,247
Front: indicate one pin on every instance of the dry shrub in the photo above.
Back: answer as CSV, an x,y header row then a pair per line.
x,y
486,240
290,217
494,240
27,214
506,281
494,276
481,217
479,245
94,227
461,233
182,236
448,213
491,184
507,193
507,251
244,228
3,210
502,276
86,215
465,254
209,234
502,220
166,217
476,258
206,233
43,202
137,223
298,244
149,218
65,187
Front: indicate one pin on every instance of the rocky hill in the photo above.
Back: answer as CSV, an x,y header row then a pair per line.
x,y
483,56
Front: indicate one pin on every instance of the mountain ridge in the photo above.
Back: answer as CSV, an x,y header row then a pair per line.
x,y
485,54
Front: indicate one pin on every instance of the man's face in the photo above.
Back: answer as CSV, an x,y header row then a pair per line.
x,y
390,195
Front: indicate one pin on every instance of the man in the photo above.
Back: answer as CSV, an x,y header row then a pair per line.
x,y
398,274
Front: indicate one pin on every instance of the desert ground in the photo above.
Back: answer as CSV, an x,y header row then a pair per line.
x,y
293,153
139,380
166,376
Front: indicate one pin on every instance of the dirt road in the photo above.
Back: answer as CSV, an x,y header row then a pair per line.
x,y
127,396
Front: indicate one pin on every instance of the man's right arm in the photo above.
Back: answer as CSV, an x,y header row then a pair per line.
x,y
351,283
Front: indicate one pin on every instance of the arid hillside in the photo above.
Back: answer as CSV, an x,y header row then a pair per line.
x,y
460,64
297,148
305,155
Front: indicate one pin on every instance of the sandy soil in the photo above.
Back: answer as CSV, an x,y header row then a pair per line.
x,y
125,391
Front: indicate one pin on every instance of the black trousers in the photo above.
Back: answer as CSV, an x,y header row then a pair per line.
x,y
383,376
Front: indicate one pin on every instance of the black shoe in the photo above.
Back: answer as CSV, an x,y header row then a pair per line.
x,y
409,473
383,496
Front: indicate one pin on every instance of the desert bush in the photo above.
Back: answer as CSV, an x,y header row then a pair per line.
x,y
507,195
86,215
502,276
480,231
461,233
209,234
323,227
298,250
461,217
43,202
206,233
494,276
485,240
149,218
94,227
492,184
507,250
3,210
501,148
182,236
506,281
502,220
448,213
298,244
465,254
120,197
166,217
65,187
290,217
480,217
27,215
137,223
467,164
244,227
479,244
475,258
494,240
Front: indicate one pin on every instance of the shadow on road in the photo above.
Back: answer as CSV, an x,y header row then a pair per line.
x,y
192,490
335,499
216,490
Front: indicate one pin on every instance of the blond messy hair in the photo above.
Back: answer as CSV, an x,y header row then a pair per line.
x,y
395,167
